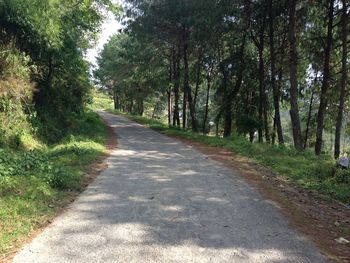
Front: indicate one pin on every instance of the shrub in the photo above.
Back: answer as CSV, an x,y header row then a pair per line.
x,y
60,178
342,176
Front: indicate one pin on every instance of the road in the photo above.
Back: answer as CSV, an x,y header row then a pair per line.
x,y
162,201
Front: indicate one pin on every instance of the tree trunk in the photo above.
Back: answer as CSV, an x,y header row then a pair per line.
x,y
169,88
249,111
293,57
275,89
206,104
192,111
169,106
343,81
227,110
198,78
251,136
308,121
217,123
274,130
260,44
326,80
115,99
186,79
261,99
176,117
187,88
131,108
184,109
141,108
266,117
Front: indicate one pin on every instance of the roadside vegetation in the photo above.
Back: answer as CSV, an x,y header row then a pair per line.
x,y
36,183
48,137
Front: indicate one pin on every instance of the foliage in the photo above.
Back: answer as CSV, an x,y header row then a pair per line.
x,y
15,96
30,181
263,68
130,71
44,79
101,100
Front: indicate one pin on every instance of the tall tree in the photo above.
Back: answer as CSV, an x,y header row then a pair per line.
x,y
343,81
275,89
326,78
293,75
231,94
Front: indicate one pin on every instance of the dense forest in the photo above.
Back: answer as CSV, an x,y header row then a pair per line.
x,y
273,71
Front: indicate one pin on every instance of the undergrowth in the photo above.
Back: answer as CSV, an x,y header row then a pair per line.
x,y
34,183
101,100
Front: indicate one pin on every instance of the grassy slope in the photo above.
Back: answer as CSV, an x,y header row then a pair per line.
x,y
101,100
303,168
34,184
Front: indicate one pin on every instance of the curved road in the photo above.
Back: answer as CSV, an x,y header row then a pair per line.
x,y
161,201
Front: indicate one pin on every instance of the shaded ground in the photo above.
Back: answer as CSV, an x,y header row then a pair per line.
x,y
161,201
321,219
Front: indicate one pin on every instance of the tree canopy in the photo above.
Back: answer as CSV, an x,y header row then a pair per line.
x,y
50,38
274,71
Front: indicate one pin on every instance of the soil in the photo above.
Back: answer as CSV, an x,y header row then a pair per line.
x,y
92,171
314,215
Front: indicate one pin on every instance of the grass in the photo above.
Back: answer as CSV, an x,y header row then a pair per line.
x,y
101,100
35,184
303,168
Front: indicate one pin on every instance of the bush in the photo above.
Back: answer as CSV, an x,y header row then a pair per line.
x,y
342,176
61,179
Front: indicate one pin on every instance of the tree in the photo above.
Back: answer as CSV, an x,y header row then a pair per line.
x,y
293,58
55,35
344,74
228,62
275,89
326,78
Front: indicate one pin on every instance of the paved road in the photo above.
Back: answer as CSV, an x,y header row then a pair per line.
x,y
161,201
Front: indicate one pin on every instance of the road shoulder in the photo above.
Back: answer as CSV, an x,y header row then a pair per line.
x,y
322,220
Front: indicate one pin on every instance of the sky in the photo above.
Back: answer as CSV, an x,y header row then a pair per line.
x,y
109,28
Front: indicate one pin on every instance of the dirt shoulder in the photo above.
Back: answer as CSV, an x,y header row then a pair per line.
x,y
320,219
92,171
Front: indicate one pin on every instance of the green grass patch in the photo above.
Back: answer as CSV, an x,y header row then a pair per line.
x,y
303,168
101,100
34,183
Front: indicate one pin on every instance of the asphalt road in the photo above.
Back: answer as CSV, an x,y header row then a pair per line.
x,y
162,201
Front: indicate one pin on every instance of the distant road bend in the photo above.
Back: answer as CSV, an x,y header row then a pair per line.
x,y
162,201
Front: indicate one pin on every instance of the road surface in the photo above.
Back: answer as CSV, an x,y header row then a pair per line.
x,y
162,201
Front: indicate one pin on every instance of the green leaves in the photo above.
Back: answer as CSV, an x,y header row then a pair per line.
x,y
23,164
42,44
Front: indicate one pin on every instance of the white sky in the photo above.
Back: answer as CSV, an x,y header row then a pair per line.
x,y
109,28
